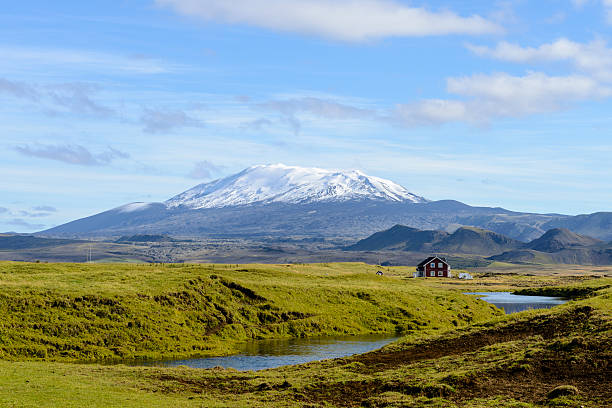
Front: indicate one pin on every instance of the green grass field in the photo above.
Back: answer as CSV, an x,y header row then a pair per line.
x,y
95,312
456,350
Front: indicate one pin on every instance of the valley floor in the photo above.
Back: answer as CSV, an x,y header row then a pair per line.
x,y
556,357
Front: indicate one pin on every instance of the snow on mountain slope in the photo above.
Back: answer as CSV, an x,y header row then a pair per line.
x,y
133,207
290,184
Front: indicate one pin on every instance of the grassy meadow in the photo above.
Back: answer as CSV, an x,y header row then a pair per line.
x,y
70,312
456,350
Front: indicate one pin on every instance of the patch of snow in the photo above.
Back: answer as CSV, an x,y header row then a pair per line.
x,y
133,207
291,184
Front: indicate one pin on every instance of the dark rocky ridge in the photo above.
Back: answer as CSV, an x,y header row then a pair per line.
x,y
465,240
555,246
557,239
470,240
17,242
399,237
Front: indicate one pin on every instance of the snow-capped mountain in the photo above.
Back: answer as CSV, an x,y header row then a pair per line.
x,y
279,183
284,201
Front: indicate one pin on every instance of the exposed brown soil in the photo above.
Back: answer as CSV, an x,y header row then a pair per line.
x,y
545,326
587,365
573,348
592,374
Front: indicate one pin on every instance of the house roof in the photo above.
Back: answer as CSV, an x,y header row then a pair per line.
x,y
431,258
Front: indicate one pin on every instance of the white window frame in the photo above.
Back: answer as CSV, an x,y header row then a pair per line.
x,y
433,265
440,273
439,264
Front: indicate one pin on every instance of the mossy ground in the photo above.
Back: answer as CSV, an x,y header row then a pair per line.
x,y
95,312
495,361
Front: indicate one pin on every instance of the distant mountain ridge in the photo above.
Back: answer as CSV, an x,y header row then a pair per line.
x,y
399,237
471,240
28,241
557,239
465,240
286,201
558,245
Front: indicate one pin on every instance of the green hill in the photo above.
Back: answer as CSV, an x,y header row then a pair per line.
x,y
542,358
97,312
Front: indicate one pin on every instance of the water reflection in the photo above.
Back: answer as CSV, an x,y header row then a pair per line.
x,y
263,354
512,303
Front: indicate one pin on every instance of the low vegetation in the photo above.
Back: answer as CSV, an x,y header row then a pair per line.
x,y
557,357
565,292
109,312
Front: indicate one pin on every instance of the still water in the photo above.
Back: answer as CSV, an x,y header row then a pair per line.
x,y
517,303
263,354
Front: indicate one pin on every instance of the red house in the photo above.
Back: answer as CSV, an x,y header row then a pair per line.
x,y
434,266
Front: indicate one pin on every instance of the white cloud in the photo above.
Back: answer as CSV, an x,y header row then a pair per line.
x,y
556,18
291,109
165,121
204,170
432,111
76,97
45,208
594,57
72,97
486,97
72,154
607,5
25,225
18,89
98,61
579,3
325,108
476,99
531,92
256,124
347,20
608,10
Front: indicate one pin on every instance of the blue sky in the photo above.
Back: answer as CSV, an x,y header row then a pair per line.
x,y
496,103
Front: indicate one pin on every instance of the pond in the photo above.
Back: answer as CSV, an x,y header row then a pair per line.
x,y
512,303
263,354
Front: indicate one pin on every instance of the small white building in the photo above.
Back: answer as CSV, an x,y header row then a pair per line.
x,y
465,275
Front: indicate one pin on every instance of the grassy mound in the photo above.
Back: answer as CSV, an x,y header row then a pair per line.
x,y
94,312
